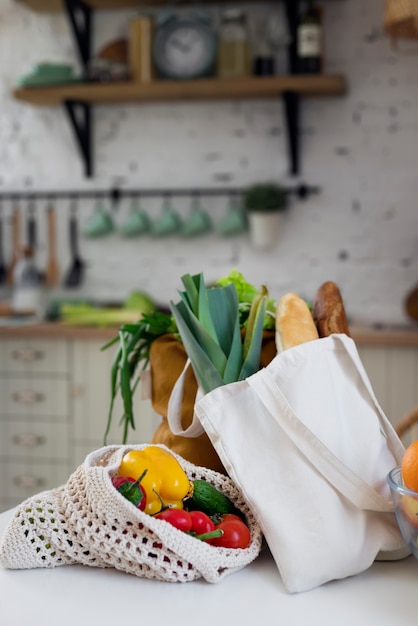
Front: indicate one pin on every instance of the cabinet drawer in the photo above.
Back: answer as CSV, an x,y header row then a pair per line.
x,y
34,356
20,480
21,397
26,439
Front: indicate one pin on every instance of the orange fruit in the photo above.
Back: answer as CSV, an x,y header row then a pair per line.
x,y
409,466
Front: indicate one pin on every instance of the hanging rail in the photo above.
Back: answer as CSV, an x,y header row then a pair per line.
x,y
115,194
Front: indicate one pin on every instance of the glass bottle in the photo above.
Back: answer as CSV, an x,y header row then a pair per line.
x,y
309,40
234,56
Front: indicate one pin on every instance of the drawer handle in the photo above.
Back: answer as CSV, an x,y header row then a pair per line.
x,y
28,482
27,355
27,397
28,440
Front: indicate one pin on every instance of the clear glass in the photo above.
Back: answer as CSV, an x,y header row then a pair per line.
x,y
405,503
234,55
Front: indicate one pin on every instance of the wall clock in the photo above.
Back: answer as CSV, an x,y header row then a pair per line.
x,y
184,47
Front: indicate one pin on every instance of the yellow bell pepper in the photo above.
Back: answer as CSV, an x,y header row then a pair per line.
x,y
166,484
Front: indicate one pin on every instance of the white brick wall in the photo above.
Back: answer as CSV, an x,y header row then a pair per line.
x,y
361,231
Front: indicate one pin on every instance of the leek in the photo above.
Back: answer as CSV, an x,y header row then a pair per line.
x,y
212,339
221,334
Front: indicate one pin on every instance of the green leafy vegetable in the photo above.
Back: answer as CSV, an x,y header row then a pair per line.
x,y
134,345
209,325
221,328
246,294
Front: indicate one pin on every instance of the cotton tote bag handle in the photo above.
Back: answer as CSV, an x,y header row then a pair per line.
x,y
174,408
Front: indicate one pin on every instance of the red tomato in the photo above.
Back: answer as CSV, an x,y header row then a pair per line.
x,y
179,518
201,523
229,517
236,534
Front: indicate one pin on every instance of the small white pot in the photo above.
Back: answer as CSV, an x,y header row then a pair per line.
x,y
264,228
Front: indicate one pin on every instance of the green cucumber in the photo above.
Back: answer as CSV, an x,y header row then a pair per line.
x,y
206,498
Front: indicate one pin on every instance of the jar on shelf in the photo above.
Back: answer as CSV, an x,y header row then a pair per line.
x,y
234,55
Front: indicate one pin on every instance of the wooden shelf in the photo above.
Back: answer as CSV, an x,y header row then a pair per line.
x,y
169,91
78,99
53,6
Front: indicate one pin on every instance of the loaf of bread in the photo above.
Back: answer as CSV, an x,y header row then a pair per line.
x,y
294,322
328,310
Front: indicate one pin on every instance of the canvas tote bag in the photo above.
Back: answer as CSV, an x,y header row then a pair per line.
x,y
307,443
173,391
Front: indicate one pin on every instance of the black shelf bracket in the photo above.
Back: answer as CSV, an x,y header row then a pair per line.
x,y
291,100
80,17
291,103
79,114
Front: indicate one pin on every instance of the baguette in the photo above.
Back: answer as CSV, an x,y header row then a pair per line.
x,y
328,311
294,322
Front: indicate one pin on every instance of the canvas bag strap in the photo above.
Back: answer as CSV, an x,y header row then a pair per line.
x,y
349,484
175,405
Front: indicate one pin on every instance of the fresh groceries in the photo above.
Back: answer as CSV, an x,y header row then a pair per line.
x,y
165,483
222,329
409,467
405,503
131,489
221,326
409,474
153,480
328,310
403,483
204,497
135,306
294,322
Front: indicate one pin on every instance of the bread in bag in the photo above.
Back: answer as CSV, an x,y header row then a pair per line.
x,y
328,310
294,322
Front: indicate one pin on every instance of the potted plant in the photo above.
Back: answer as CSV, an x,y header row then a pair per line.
x,y
264,202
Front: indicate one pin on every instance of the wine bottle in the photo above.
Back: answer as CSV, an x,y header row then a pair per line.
x,y
309,40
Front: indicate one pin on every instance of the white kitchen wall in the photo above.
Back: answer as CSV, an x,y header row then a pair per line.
x,y
361,150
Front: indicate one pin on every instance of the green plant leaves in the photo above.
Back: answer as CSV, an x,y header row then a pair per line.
x,y
208,321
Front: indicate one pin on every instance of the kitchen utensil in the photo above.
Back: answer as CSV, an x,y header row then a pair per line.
x,y
32,233
137,223
169,222
15,244
52,271
31,227
99,224
3,268
198,222
75,274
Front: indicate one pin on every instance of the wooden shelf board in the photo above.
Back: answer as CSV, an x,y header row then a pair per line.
x,y
53,6
164,90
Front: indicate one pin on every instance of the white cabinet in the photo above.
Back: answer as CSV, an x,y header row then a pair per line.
x,y
91,399
393,373
35,420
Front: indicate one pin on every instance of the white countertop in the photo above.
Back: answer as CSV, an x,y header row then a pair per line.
x,y
68,595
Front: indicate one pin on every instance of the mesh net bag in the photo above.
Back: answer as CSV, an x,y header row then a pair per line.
x,y
87,521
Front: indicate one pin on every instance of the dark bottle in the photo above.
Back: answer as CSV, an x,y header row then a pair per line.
x,y
309,40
